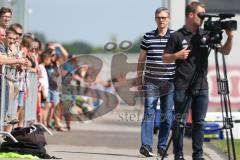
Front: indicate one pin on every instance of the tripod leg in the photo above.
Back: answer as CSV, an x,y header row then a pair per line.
x,y
233,146
168,145
228,147
230,140
180,119
223,91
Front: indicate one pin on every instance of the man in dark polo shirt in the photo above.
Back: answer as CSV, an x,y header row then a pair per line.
x,y
156,75
187,48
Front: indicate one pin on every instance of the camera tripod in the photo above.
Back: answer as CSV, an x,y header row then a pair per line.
x,y
223,91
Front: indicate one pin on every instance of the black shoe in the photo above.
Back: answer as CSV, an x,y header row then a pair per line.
x,y
179,158
201,158
155,130
146,151
161,152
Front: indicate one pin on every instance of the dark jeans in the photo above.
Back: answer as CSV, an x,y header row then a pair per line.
x,y
199,105
152,95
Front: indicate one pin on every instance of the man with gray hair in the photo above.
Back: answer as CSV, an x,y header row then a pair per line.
x,y
157,83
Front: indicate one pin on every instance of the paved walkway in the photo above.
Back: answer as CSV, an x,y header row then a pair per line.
x,y
113,136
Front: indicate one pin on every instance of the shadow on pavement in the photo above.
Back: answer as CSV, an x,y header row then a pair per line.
x,y
104,154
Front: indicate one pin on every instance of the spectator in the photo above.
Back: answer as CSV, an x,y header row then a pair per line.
x,y
5,17
53,95
10,43
18,28
43,88
3,52
39,47
3,49
24,51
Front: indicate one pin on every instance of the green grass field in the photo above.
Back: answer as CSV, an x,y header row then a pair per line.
x,y
222,145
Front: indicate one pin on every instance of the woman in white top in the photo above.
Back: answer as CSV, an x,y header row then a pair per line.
x,y
43,84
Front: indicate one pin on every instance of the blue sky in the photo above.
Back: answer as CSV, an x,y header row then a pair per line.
x,y
93,21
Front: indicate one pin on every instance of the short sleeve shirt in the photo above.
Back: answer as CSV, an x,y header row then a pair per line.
x,y
3,49
53,78
192,71
154,45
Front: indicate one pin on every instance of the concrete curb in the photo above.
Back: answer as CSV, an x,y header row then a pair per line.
x,y
213,153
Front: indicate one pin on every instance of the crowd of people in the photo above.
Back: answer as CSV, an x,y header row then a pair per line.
x,y
52,64
25,52
166,56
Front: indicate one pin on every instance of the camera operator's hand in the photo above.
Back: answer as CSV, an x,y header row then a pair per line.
x,y
226,48
229,34
183,54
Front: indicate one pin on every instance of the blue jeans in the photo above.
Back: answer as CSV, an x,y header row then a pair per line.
x,y
53,97
166,104
21,98
199,104
157,121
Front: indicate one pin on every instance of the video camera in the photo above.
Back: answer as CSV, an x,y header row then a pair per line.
x,y
215,27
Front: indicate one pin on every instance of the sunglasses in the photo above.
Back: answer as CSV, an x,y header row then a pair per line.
x,y
20,34
34,49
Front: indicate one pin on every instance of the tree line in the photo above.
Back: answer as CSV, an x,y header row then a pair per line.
x,y
81,47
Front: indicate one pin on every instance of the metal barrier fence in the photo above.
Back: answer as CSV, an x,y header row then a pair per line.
x,y
10,78
31,99
9,95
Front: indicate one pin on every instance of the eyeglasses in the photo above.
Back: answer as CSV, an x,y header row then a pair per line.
x,y
161,18
7,17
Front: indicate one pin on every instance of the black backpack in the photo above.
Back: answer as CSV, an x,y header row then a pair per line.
x,y
29,142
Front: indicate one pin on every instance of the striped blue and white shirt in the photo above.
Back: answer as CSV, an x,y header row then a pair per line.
x,y
155,44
